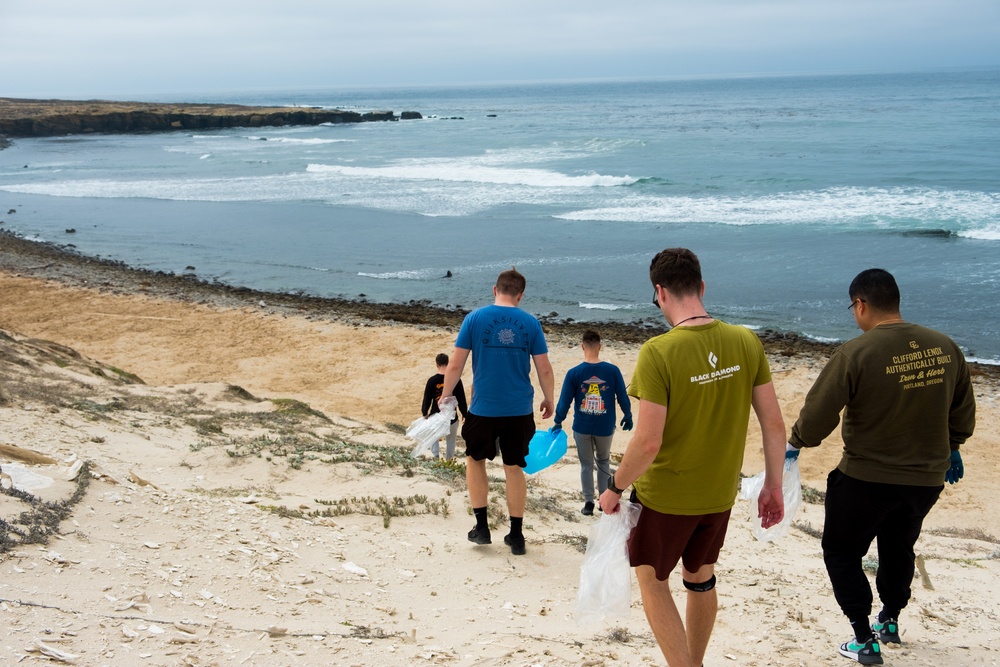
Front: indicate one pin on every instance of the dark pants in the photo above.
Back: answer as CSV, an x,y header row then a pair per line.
x,y
858,512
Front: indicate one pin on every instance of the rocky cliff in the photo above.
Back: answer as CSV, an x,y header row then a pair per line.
x,y
46,118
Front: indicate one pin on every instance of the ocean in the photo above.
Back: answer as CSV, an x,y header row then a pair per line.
x,y
785,186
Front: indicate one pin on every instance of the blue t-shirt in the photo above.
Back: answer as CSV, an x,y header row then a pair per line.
x,y
593,389
502,340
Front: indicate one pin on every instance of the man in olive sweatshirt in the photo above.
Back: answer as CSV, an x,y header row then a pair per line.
x,y
908,405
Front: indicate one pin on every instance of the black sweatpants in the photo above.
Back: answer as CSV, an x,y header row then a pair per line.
x,y
858,512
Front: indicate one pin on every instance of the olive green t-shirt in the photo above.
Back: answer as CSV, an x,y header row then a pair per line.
x,y
705,376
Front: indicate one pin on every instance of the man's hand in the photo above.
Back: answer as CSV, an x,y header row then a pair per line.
x,y
626,423
957,470
447,400
770,506
609,501
546,409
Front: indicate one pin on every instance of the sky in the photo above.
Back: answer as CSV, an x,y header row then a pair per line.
x,y
122,48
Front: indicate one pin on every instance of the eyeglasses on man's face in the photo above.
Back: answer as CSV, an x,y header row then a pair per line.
x,y
656,301
854,303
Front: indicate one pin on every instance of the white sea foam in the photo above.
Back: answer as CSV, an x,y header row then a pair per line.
x,y
315,141
988,361
990,232
611,306
421,274
449,171
896,208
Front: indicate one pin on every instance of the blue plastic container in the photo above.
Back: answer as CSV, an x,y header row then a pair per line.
x,y
544,449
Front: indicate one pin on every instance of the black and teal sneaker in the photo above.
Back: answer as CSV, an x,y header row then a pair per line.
x,y
888,632
867,653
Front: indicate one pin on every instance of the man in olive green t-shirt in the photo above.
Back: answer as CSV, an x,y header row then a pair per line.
x,y
908,405
695,385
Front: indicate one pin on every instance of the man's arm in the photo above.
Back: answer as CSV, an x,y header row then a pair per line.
x,y
463,404
566,396
429,391
454,371
770,502
640,452
624,402
962,414
547,381
820,412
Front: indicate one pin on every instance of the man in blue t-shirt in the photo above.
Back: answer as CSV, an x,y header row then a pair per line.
x,y
593,387
503,341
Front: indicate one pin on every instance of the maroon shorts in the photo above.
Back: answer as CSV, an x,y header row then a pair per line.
x,y
661,540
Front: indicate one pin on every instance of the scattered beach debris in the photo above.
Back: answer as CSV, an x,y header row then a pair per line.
x,y
26,455
355,569
52,652
925,578
142,482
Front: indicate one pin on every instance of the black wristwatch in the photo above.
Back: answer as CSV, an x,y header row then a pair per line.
x,y
611,485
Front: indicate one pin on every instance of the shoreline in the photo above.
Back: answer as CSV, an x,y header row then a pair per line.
x,y
50,261
47,260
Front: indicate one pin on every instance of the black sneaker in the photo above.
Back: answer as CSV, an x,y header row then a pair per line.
x,y
888,632
516,544
867,653
588,509
480,535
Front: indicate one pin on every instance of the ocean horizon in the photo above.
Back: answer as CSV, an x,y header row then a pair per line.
x,y
786,187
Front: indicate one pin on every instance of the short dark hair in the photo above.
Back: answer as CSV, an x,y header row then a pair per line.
x,y
511,283
441,359
591,338
676,270
877,288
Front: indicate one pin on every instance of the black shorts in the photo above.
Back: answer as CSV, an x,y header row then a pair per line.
x,y
661,540
484,436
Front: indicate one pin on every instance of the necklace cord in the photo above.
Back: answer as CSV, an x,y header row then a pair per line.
x,y
693,317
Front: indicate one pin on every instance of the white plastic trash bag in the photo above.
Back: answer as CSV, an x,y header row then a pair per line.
x,y
791,490
605,575
428,430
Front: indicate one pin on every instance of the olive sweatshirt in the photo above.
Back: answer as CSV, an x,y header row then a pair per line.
x,y
907,401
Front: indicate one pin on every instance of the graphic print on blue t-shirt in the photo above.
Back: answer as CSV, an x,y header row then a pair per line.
x,y
592,402
503,332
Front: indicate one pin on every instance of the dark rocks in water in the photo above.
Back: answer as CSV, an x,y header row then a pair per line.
x,y
379,115
491,115
71,230
448,274
410,115
189,268
929,233
12,211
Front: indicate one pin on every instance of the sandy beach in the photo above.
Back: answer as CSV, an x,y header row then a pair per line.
x,y
252,500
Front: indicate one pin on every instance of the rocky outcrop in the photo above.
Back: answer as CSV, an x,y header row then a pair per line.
x,y
46,118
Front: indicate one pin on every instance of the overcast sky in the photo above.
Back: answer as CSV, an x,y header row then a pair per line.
x,y
91,48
